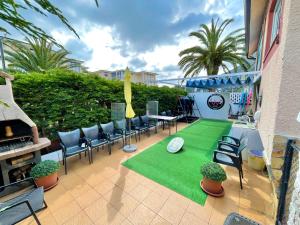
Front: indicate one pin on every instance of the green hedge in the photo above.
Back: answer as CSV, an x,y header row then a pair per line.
x,y
61,100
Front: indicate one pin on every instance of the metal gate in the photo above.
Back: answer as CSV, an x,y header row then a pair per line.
x,y
289,175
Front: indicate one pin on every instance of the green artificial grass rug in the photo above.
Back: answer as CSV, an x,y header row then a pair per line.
x,y
181,171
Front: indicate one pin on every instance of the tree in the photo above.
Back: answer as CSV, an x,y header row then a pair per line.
x,y
10,13
214,51
36,55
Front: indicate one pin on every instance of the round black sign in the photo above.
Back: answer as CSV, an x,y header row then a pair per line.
x,y
215,101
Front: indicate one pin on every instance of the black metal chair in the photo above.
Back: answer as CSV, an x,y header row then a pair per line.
x,y
233,140
231,155
169,113
122,125
111,133
149,123
95,139
72,144
163,113
136,124
25,201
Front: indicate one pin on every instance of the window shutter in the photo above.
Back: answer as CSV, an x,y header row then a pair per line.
x,y
276,21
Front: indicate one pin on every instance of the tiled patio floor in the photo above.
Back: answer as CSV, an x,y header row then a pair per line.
x,y
107,193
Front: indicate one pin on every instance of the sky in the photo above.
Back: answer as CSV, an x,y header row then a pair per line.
x,y
141,34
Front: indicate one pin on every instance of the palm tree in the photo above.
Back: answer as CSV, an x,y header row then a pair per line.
x,y
36,55
214,51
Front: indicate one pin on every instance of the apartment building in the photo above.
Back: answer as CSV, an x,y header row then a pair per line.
x,y
272,37
142,77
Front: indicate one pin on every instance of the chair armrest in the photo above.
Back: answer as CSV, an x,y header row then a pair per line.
x,y
119,131
63,147
236,140
19,182
153,121
89,141
146,124
83,140
106,136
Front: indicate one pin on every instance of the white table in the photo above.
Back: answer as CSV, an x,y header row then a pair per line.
x,y
168,119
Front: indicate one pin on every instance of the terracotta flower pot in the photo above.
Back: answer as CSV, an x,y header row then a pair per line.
x,y
212,187
47,182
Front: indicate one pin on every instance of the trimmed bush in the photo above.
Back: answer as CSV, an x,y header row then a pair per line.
x,y
61,100
44,168
213,171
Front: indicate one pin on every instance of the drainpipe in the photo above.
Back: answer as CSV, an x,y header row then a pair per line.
x,y
2,54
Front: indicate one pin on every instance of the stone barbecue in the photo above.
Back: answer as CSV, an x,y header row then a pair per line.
x,y
20,144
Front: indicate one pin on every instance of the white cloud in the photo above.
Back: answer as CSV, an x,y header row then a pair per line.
x,y
62,37
107,47
166,55
101,41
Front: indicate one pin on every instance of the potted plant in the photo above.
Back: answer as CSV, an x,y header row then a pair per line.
x,y
45,173
213,176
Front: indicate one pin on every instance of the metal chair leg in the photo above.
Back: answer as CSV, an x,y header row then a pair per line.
x,y
89,157
242,172
92,155
33,213
240,175
65,159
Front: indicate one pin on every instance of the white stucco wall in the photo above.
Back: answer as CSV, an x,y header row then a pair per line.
x,y
289,97
280,85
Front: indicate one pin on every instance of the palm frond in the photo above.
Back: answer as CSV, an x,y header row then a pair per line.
x,y
38,55
215,50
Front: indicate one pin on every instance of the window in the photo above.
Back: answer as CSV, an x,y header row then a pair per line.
x,y
273,29
276,21
259,54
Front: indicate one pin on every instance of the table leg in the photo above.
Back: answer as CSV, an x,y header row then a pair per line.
x,y
176,124
169,127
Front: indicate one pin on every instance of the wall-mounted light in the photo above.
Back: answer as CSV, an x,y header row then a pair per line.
x,y
298,117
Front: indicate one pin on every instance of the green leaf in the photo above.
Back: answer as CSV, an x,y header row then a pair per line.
x,y
215,50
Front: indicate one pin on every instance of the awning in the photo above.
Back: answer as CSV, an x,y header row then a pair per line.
x,y
224,81
254,17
